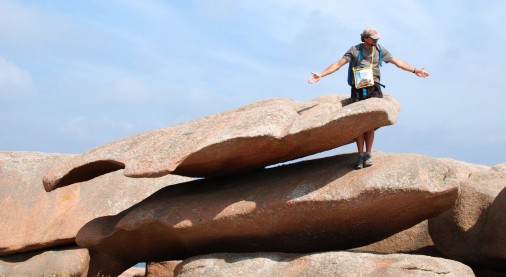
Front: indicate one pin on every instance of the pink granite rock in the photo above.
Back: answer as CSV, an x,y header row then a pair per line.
x,y
415,240
320,264
316,205
253,136
51,262
474,230
161,269
33,219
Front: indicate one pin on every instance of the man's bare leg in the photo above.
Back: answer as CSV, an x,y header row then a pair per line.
x,y
360,143
360,147
364,159
369,139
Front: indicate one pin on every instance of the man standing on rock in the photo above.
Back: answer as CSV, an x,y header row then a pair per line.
x,y
364,78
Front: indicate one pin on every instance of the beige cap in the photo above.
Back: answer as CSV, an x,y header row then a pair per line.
x,y
371,32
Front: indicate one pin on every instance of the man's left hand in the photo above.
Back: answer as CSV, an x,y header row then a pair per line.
x,y
420,72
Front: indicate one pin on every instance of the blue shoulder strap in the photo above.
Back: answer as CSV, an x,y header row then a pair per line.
x,y
359,56
353,63
380,55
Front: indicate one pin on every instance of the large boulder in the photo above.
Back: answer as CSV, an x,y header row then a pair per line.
x,y
316,205
319,264
417,238
33,219
474,230
256,135
55,262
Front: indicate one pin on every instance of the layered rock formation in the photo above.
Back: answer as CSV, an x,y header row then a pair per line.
x,y
311,206
253,136
37,226
315,217
471,231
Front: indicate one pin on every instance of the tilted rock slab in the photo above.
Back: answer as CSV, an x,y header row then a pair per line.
x,y
310,206
319,264
33,219
60,262
474,230
415,240
253,136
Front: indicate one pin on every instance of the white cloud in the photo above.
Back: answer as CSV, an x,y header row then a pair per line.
x,y
93,131
14,81
23,26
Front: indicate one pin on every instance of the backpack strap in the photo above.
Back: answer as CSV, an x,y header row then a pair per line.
x,y
352,64
359,56
380,55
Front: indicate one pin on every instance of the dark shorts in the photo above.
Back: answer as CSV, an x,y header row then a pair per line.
x,y
360,94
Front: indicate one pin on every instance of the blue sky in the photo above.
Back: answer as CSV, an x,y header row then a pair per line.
x,y
75,75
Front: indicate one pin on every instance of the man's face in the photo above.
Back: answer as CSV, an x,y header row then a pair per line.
x,y
370,41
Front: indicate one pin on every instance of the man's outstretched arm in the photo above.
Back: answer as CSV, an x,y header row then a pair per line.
x,y
420,72
329,70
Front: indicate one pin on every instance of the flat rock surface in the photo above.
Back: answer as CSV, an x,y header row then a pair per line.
x,y
316,205
320,264
253,136
32,218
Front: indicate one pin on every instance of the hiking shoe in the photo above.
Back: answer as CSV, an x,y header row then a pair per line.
x,y
360,163
367,161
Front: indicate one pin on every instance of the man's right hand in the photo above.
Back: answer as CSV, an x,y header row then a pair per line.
x,y
315,78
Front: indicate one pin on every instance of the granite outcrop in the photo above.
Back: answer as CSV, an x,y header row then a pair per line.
x,y
138,200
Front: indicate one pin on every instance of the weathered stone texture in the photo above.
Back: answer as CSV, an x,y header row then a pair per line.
x,y
320,264
34,219
474,230
311,206
253,136
56,262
